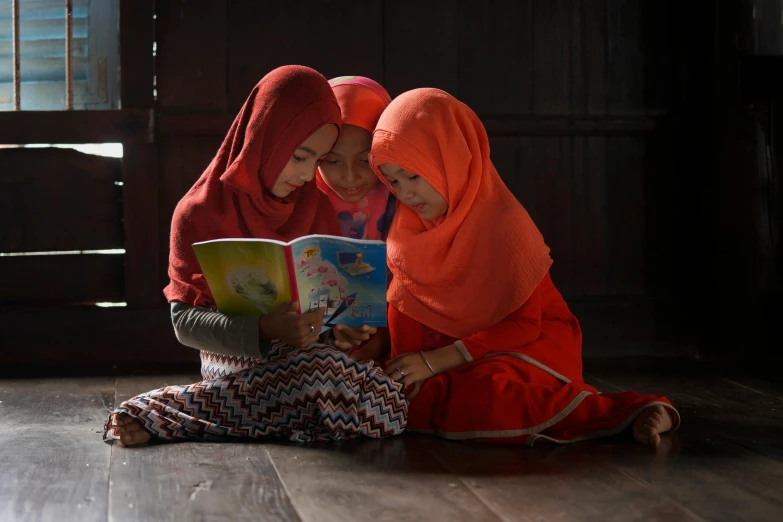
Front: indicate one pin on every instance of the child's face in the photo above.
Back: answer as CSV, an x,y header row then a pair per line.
x,y
301,167
346,169
415,192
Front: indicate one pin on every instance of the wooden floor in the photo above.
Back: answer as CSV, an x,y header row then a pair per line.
x,y
725,463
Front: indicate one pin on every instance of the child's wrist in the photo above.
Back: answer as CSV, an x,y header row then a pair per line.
x,y
445,359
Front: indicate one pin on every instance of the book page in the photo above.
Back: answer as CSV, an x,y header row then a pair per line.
x,y
246,276
347,277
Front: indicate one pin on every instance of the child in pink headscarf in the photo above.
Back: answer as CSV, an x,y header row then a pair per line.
x,y
364,206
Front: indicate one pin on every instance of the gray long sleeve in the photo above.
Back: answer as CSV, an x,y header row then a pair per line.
x,y
205,329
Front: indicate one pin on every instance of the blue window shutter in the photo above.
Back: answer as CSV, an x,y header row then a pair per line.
x,y
95,51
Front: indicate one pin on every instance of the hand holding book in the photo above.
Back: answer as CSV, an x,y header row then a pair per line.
x,y
284,323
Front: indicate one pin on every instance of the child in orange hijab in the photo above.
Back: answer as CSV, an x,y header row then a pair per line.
x,y
481,337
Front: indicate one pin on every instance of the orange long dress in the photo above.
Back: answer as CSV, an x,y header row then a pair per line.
x,y
523,381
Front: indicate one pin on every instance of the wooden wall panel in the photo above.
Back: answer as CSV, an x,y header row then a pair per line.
x,y
62,279
588,57
137,32
563,86
592,213
59,199
140,218
87,339
139,161
589,215
638,57
576,96
495,57
552,46
437,61
658,52
546,161
127,126
525,187
335,38
504,152
625,66
191,55
625,215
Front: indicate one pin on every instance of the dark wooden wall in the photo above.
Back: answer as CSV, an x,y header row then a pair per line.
x,y
728,286
573,94
576,95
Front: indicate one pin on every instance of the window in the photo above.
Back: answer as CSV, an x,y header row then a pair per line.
x,y
42,40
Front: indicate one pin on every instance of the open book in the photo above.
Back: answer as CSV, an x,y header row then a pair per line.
x,y
253,276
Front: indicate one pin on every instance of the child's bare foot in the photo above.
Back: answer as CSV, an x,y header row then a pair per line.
x,y
649,425
130,430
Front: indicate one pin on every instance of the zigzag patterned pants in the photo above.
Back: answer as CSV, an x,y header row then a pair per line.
x,y
317,394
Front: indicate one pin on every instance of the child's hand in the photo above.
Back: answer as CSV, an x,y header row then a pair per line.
x,y
410,370
299,330
374,349
346,337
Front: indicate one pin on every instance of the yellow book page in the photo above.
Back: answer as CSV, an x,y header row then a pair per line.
x,y
246,276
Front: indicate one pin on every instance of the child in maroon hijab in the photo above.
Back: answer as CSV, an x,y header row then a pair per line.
x,y
266,375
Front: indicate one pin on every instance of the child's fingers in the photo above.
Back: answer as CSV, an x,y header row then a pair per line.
x,y
409,380
353,337
398,362
312,319
348,334
401,374
287,308
313,314
390,362
415,391
343,345
356,335
307,340
364,331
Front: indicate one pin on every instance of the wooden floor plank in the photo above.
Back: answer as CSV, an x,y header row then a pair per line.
x,y
762,386
563,483
53,462
734,410
730,465
384,480
726,463
193,481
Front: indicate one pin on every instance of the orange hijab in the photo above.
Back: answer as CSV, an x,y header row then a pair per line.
x,y
232,197
471,268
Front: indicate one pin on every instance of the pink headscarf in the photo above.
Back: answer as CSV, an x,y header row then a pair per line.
x,y
361,101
